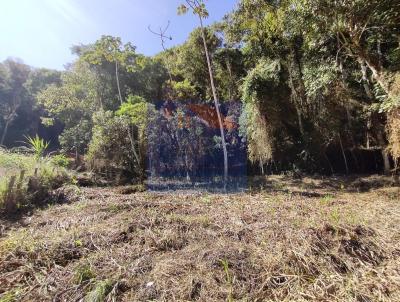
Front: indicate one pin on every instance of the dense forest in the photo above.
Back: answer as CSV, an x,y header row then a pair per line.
x,y
317,82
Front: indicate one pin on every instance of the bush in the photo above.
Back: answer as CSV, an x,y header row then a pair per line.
x,y
27,181
60,160
114,151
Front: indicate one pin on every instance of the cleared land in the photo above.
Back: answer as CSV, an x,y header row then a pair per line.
x,y
292,240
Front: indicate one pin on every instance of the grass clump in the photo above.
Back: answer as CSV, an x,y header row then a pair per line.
x,y
326,199
8,297
20,239
83,273
334,216
229,279
100,291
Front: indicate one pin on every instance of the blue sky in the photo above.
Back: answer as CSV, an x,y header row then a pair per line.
x,y
41,32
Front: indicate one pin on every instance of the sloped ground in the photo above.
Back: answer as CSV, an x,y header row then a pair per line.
x,y
286,240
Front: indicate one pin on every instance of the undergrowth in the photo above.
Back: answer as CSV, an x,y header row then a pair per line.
x,y
27,180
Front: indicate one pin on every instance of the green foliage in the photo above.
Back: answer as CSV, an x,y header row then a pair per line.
x,y
99,292
184,90
198,8
182,9
266,72
116,146
314,76
334,216
39,79
225,266
318,78
14,97
253,124
60,160
11,162
136,109
77,138
83,272
89,86
73,103
110,49
230,70
326,199
32,180
10,296
188,65
37,145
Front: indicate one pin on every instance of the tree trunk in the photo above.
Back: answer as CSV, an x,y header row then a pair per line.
x,y
328,161
299,73
300,119
3,137
132,141
379,50
214,91
187,167
297,86
385,154
344,155
369,129
367,89
386,161
365,80
377,73
294,98
231,83
117,77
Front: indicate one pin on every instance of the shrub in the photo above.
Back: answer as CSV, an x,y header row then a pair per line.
x,y
114,150
27,182
60,160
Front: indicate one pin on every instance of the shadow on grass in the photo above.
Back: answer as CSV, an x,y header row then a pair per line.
x,y
311,186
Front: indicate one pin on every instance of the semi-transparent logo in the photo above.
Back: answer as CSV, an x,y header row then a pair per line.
x,y
184,147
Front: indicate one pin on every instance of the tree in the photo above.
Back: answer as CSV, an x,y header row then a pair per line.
x,y
364,32
110,49
13,94
73,102
199,9
356,25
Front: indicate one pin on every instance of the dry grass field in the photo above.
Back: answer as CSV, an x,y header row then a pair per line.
x,y
309,239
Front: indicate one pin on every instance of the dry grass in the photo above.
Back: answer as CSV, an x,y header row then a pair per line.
x,y
294,240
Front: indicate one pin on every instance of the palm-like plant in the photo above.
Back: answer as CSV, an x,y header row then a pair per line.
x,y
37,145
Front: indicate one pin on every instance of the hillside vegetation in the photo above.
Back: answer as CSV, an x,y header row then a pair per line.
x,y
28,181
317,83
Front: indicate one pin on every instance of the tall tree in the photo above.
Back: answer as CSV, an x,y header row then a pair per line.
x,y
13,93
198,8
110,49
